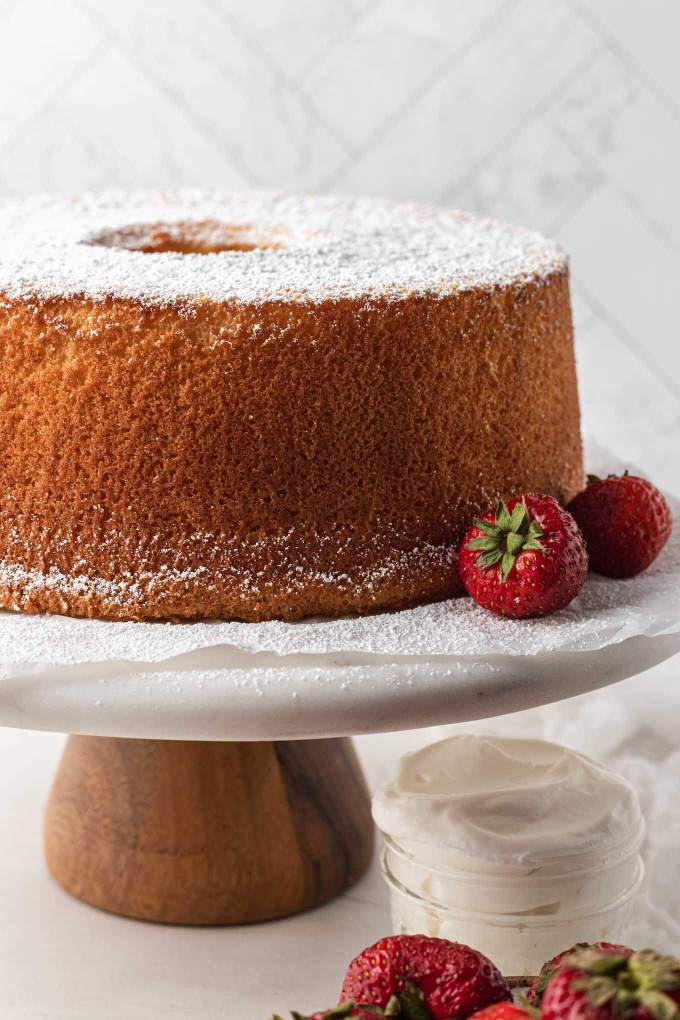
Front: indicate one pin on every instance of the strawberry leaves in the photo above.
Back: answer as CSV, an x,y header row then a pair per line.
x,y
660,1005
345,1009
504,539
412,1003
407,1004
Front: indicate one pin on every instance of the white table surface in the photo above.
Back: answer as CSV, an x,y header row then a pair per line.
x,y
62,960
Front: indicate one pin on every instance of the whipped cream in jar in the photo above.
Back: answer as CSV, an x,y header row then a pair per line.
x,y
519,848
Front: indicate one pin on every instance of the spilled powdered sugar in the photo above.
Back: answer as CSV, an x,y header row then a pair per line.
x,y
324,248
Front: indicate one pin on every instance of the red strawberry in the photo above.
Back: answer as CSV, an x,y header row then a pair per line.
x,y
535,993
625,521
593,985
425,978
505,1011
524,559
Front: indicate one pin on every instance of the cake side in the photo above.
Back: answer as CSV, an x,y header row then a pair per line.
x,y
275,459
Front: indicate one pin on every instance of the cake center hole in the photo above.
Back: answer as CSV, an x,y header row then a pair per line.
x,y
205,237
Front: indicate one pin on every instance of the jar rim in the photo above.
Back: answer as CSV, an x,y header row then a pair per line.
x,y
511,920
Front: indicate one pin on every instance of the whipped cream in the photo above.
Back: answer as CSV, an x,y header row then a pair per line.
x,y
517,847
508,801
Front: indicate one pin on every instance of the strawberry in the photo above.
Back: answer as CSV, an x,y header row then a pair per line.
x,y
594,985
505,1011
625,521
524,559
538,986
422,978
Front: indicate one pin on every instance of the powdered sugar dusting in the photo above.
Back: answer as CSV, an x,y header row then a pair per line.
x,y
136,586
323,248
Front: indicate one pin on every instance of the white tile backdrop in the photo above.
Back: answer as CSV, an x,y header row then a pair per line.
x,y
560,114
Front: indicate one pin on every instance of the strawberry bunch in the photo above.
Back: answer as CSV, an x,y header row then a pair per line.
x,y
414,977
530,556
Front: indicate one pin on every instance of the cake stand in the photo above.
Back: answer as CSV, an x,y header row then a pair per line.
x,y
220,786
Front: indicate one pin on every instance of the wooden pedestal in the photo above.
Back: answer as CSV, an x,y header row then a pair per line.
x,y
207,833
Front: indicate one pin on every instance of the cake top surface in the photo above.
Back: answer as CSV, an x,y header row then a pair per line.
x,y
190,246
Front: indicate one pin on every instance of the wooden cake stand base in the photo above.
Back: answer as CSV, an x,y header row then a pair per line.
x,y
191,832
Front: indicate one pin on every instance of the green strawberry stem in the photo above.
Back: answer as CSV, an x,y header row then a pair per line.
x,y
503,541
411,1003
337,1013
644,980
408,1004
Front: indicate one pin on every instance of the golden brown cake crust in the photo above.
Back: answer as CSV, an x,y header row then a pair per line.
x,y
274,458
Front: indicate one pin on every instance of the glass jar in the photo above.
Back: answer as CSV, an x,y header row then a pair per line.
x,y
518,848
518,917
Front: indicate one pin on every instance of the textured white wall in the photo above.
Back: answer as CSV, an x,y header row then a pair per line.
x,y
560,114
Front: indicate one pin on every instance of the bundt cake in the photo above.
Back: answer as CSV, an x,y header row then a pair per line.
x,y
258,406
